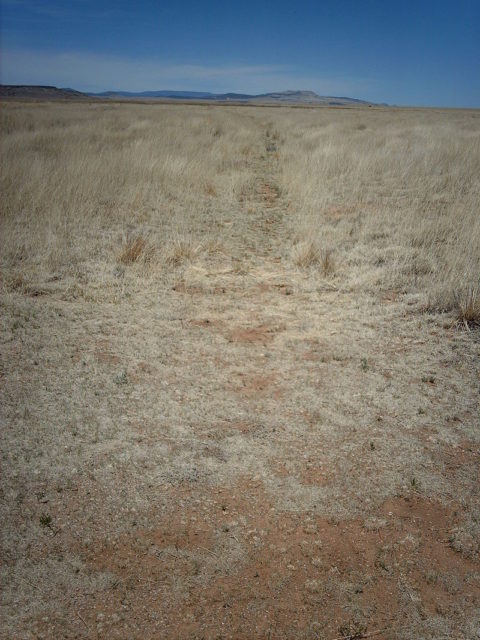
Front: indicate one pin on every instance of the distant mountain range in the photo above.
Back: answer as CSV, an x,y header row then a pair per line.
x,y
292,97
279,97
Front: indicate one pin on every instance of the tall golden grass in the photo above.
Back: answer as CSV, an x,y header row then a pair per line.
x,y
79,181
391,197
395,194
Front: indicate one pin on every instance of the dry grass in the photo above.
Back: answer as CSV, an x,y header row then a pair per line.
x,y
396,195
77,179
181,250
135,249
235,398
468,305
307,253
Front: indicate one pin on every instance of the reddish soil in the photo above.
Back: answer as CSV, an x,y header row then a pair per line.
x,y
222,562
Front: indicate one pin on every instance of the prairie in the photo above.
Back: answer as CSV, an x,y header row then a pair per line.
x,y
240,372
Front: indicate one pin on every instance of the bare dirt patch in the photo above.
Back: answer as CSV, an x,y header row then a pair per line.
x,y
262,334
225,561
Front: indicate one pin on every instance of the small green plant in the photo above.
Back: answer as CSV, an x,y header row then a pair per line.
x,y
364,364
46,520
431,577
353,630
196,567
122,378
372,446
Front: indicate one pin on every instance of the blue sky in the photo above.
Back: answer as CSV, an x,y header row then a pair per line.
x,y
421,52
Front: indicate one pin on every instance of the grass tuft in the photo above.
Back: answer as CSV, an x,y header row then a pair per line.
x,y
182,250
327,262
468,305
135,249
307,253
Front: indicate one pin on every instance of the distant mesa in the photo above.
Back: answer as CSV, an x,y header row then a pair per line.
x,y
40,92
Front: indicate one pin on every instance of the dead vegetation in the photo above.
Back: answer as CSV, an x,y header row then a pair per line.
x,y
402,188
237,395
135,249
181,250
468,305
307,253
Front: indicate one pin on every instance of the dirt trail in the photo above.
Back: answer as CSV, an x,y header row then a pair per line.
x,y
240,452
262,236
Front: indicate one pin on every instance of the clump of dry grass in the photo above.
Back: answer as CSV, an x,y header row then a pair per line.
x,y
327,262
307,253
210,190
468,305
15,281
136,249
181,250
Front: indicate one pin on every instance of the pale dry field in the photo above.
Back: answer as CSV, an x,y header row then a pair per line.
x,y
240,372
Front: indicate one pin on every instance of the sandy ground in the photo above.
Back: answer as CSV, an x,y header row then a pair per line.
x,y
242,449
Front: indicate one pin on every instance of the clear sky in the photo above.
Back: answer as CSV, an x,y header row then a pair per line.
x,y
422,52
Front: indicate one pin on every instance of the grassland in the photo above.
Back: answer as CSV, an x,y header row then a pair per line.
x,y
240,372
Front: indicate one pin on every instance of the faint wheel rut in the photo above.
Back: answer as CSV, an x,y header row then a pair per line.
x,y
266,233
